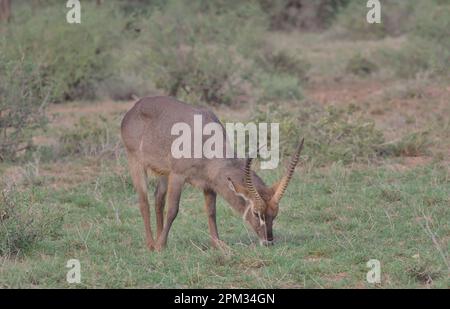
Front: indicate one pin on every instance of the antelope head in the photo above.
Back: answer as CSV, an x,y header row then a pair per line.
x,y
262,202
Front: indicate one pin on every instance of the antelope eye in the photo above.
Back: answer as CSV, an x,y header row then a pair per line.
x,y
259,215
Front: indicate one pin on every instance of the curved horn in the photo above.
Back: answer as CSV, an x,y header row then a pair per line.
x,y
259,203
284,182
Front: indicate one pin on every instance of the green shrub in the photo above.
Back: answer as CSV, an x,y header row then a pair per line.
x,y
302,14
341,136
200,51
337,134
23,99
423,271
24,223
73,58
396,19
283,62
429,41
360,66
432,23
126,85
410,145
280,88
332,134
428,47
88,138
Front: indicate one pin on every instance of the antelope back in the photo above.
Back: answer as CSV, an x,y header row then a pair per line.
x,y
146,132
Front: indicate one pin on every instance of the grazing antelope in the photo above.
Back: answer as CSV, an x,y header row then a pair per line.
x,y
146,134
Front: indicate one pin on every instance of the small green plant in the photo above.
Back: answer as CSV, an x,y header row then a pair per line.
x,y
361,66
24,223
410,145
73,60
428,48
88,138
302,14
200,51
282,62
341,135
280,88
23,99
422,272
332,134
396,17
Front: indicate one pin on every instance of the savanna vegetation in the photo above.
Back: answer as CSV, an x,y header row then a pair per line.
x,y
371,100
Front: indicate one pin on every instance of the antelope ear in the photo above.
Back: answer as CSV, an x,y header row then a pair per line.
x,y
237,189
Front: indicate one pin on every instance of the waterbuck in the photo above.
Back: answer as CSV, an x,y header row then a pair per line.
x,y
146,134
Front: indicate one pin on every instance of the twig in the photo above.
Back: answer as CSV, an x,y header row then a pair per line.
x,y
430,233
116,212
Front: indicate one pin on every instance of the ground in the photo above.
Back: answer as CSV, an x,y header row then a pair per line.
x,y
333,220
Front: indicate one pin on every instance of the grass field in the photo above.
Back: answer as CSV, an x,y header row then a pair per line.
x,y
331,223
374,177
334,219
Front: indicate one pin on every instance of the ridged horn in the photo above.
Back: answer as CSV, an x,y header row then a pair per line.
x,y
284,182
259,204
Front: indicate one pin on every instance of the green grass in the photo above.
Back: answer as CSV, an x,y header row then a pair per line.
x,y
370,112
331,223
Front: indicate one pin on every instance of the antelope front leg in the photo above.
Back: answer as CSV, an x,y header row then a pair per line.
x,y
210,207
175,186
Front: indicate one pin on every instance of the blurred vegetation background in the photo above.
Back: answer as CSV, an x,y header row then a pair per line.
x,y
210,52
371,100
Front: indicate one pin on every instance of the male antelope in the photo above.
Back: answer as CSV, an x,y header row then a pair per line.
x,y
146,134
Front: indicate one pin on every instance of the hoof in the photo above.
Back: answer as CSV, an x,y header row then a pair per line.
x,y
159,247
150,246
219,244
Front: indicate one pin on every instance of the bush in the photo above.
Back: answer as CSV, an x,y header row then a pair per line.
x,y
280,74
199,50
280,88
126,85
396,19
337,134
332,134
23,99
432,23
282,62
428,47
87,138
341,136
360,66
410,145
73,59
302,14
24,223
429,42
